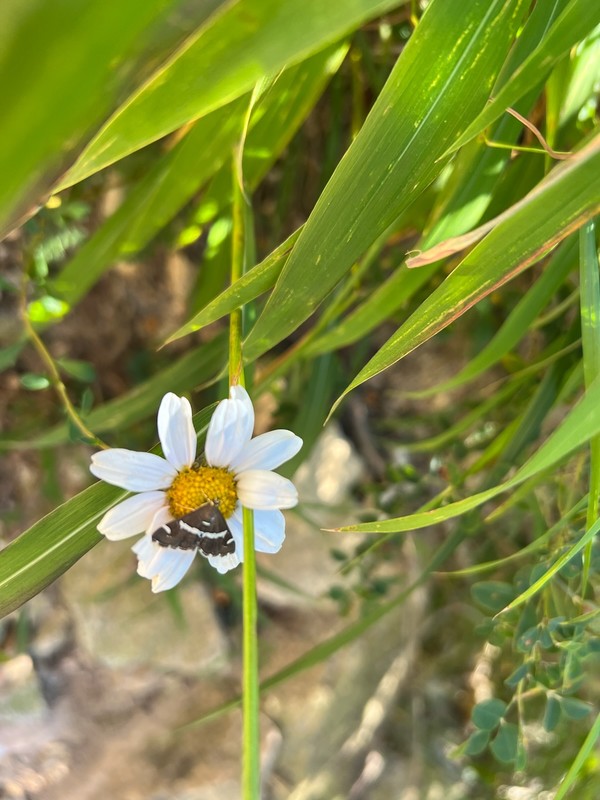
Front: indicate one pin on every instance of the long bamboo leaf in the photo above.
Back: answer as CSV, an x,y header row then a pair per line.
x,y
422,108
516,325
244,43
578,427
559,205
63,70
574,24
168,185
179,174
255,282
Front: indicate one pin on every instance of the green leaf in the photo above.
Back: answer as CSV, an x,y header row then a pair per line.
x,y
9,355
476,743
62,73
519,674
565,199
505,743
82,370
178,175
47,309
34,382
580,760
168,185
573,25
421,110
488,714
518,322
574,708
492,595
552,713
556,567
475,180
225,58
47,549
256,281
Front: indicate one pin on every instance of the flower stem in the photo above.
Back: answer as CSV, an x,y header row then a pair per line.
x,y
250,703
250,686
236,370
56,380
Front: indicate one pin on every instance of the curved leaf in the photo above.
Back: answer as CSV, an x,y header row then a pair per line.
x,y
256,281
63,69
169,184
245,42
580,425
573,25
516,325
559,205
422,108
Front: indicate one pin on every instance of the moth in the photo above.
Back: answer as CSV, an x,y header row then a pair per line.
x,y
204,529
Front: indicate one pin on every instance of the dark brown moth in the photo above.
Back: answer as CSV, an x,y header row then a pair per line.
x,y
204,529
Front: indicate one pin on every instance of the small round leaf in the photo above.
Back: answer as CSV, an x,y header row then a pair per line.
x,y
505,743
487,714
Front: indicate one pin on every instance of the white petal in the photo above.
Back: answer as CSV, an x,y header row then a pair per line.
x,y
261,489
238,393
224,563
267,451
162,515
236,526
132,516
269,531
136,472
173,570
144,549
230,429
176,431
164,565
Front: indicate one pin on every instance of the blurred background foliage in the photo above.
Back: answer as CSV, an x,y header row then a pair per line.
x,y
364,132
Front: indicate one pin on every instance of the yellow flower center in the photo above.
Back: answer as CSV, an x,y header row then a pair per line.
x,y
195,486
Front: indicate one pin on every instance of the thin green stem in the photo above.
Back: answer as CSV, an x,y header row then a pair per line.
x,y
56,380
590,335
250,685
237,268
250,704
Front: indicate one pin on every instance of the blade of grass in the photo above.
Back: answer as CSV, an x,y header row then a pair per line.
x,y
574,24
566,199
245,42
581,424
590,342
518,322
556,567
422,107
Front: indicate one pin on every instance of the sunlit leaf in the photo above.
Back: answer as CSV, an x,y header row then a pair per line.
x,y
561,203
247,41
420,111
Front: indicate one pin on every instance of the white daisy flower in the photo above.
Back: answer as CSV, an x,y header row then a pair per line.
x,y
236,472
